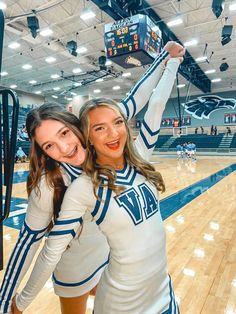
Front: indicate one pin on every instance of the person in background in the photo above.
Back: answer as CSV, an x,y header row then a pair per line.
x,y
20,155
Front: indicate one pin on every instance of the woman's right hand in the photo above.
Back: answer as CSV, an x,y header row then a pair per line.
x,y
14,308
175,49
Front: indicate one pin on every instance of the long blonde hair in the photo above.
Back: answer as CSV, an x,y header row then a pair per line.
x,y
96,171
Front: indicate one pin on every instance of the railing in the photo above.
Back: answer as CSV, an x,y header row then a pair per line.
x,y
8,136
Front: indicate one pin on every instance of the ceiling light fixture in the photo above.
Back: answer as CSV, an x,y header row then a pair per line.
x,y
50,59
77,70
192,42
14,45
55,76
3,5
87,14
210,71
217,7
175,22
33,25
81,49
72,47
226,33
216,80
46,32
26,66
4,73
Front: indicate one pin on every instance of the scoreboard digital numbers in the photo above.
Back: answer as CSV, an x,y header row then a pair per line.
x,y
133,41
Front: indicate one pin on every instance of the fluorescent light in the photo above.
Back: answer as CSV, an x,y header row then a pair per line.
x,y
78,84
26,66
4,73
14,45
50,59
81,49
46,32
69,98
216,80
56,88
54,96
192,42
210,71
32,82
108,62
97,91
77,70
55,76
86,14
175,22
13,86
3,5
38,92
200,59
180,85
232,6
126,74
117,87
99,80
74,94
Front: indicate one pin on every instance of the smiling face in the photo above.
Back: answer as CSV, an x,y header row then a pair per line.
x,y
108,135
59,142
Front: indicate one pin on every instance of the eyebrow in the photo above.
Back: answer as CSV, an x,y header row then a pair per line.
x,y
103,123
45,143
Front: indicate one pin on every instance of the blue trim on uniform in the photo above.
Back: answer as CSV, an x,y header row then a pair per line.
x,y
21,265
80,283
62,232
105,207
152,133
72,171
124,169
13,261
70,221
33,231
154,65
149,146
98,202
130,181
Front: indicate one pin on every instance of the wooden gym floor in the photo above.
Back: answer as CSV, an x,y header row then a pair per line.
x,y
199,208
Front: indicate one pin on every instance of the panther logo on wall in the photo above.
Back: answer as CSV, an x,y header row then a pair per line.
x,y
203,106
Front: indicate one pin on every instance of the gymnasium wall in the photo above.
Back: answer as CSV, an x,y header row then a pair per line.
x,y
216,117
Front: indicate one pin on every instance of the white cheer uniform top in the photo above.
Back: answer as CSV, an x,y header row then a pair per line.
x,y
75,281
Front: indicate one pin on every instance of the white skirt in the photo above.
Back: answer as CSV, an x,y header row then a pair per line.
x,y
82,264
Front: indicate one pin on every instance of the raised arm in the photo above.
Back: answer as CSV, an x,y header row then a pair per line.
x,y
65,229
38,217
148,135
139,95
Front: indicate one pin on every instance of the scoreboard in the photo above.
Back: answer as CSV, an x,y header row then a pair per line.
x,y
134,41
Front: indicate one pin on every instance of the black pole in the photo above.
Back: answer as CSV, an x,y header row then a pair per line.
x,y
1,209
178,98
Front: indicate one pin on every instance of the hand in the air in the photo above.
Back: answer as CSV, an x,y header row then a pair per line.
x,y
174,49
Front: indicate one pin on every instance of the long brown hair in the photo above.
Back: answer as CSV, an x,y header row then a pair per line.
x,y
40,162
131,156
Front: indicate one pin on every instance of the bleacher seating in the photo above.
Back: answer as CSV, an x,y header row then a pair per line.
x,y
162,139
233,143
201,141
